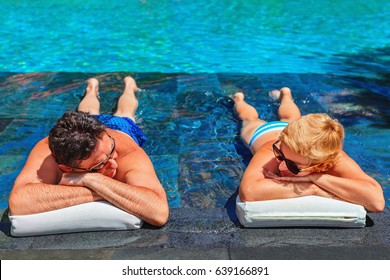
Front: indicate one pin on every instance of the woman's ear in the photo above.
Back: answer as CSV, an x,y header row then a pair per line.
x,y
65,168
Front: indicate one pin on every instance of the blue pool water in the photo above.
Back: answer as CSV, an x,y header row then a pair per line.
x,y
171,36
189,56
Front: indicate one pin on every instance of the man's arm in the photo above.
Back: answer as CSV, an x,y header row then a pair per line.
x,y
36,188
148,204
32,198
141,193
40,187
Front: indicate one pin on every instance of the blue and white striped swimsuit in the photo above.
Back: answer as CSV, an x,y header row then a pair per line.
x,y
267,127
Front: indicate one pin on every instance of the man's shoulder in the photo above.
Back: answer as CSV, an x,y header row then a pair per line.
x,y
41,154
122,139
42,144
40,164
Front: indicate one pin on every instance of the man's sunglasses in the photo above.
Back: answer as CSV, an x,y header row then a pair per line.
x,y
290,164
101,164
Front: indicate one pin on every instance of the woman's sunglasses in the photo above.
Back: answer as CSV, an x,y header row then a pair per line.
x,y
290,164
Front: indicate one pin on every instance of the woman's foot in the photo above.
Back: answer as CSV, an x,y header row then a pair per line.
x,y
274,94
277,95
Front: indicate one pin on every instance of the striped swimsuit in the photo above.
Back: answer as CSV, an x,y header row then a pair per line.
x,y
267,127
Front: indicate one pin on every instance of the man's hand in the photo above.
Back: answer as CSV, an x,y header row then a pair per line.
x,y
72,179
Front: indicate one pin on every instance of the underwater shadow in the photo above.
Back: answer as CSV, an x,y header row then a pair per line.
x,y
230,206
5,224
369,222
368,71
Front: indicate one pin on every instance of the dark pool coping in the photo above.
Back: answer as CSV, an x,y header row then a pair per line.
x,y
211,234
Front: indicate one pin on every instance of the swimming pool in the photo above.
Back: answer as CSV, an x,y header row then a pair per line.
x,y
189,56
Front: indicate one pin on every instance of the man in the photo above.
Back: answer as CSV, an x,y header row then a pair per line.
x,y
300,156
89,157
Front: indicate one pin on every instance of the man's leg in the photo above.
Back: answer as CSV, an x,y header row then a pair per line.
x,y
90,102
128,102
249,116
288,110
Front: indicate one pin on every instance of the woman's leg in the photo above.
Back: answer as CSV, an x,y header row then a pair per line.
x,y
249,116
90,102
128,102
288,110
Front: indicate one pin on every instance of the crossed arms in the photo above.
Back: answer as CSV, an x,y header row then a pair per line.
x,y
345,181
41,187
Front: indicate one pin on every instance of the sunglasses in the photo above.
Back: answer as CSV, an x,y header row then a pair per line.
x,y
101,164
290,164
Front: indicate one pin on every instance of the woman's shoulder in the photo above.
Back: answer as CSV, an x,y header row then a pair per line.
x,y
345,166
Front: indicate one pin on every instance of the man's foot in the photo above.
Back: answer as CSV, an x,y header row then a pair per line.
x,y
238,96
92,87
130,82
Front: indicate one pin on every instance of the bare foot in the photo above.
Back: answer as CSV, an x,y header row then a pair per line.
x,y
238,96
274,94
279,94
130,82
92,87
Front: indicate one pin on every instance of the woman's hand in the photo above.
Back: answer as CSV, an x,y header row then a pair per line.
x,y
294,179
312,190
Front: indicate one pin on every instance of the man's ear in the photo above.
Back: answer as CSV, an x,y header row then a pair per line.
x,y
65,168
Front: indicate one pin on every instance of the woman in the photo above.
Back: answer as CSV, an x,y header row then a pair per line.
x,y
300,156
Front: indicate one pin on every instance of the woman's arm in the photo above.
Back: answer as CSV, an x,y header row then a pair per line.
x,y
359,190
346,181
259,181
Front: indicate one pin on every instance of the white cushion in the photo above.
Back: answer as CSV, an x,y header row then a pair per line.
x,y
92,216
308,211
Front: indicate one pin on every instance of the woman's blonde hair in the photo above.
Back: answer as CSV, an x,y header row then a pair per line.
x,y
316,136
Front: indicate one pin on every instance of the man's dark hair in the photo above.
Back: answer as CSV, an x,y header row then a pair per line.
x,y
74,137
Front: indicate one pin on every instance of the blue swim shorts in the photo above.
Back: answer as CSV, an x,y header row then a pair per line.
x,y
267,127
125,125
